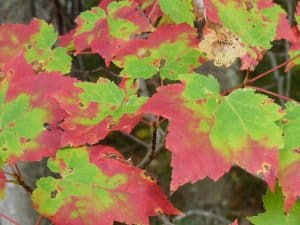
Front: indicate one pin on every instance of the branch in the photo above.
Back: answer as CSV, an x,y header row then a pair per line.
x,y
204,213
39,220
166,221
272,70
151,151
272,93
277,76
135,139
152,10
9,219
19,180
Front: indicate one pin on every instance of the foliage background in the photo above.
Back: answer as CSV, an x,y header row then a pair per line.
x,y
235,195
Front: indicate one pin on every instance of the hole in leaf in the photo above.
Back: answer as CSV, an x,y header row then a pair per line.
x,y
4,148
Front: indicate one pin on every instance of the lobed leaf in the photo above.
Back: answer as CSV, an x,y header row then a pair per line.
x,y
274,211
106,31
97,186
211,132
36,41
170,50
32,115
95,109
254,23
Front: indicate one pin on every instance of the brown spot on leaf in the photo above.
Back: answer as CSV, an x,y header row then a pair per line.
x,y
297,150
53,194
47,126
266,167
111,125
249,5
284,121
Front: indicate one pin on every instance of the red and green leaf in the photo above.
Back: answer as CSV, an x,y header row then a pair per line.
x,y
211,133
36,41
289,173
170,50
106,31
95,109
97,187
36,91
255,24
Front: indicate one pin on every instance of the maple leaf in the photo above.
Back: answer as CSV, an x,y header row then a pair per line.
x,y
210,133
105,32
180,11
170,50
39,49
289,176
274,211
95,109
35,40
36,91
97,189
255,23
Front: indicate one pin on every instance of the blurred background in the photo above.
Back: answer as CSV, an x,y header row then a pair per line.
x,y
237,194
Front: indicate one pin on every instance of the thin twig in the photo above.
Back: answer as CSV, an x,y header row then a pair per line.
x,y
273,69
99,69
39,220
152,10
19,180
18,170
226,92
203,213
135,139
151,151
166,221
9,219
272,93
277,76
247,76
8,173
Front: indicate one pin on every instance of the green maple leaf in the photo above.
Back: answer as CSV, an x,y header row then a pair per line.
x,y
274,211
